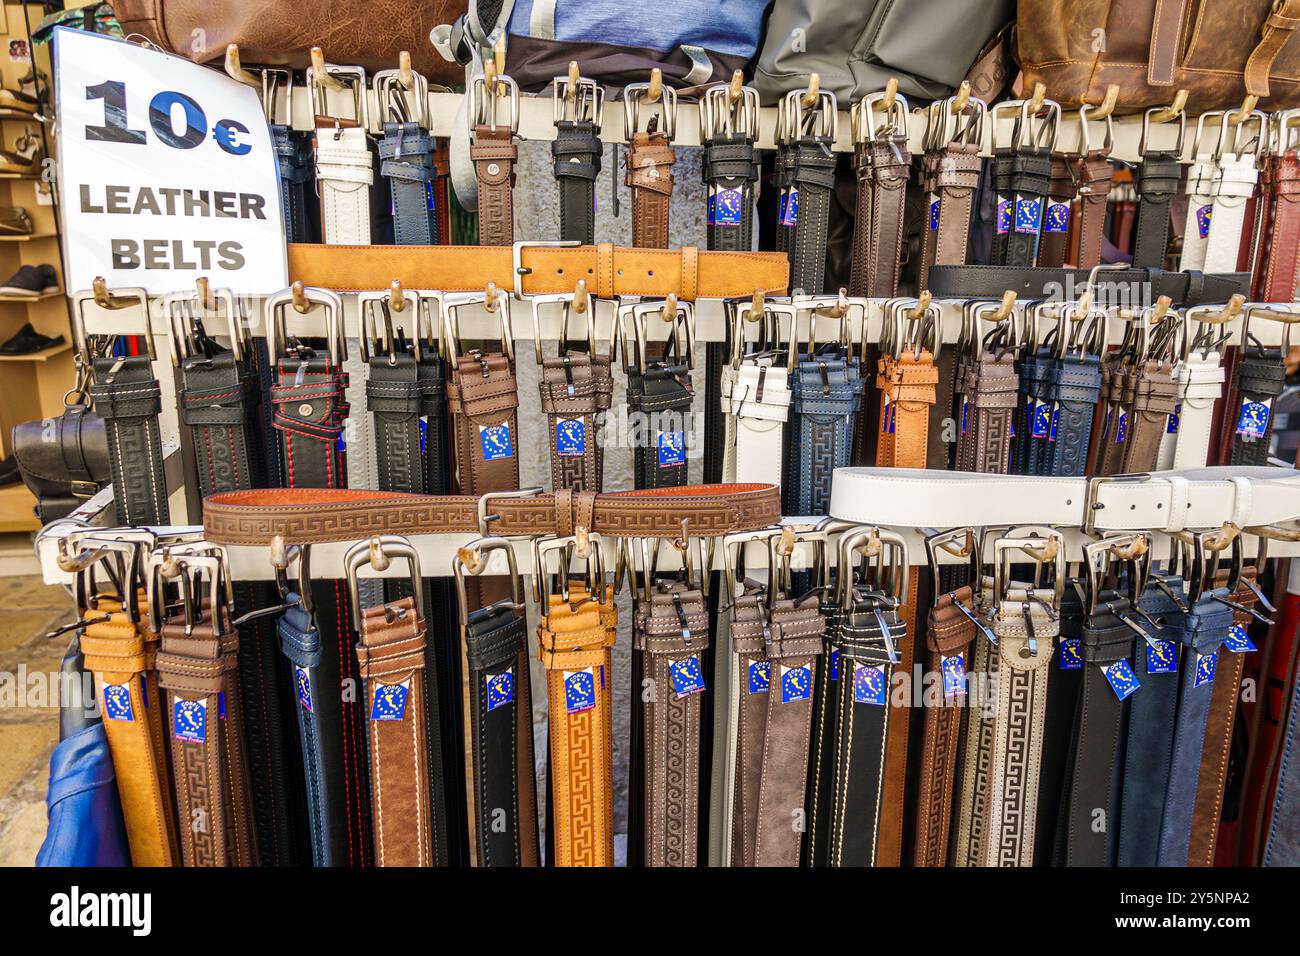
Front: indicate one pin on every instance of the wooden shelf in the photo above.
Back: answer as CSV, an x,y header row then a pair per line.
x,y
31,176
44,355
16,504
31,298
27,237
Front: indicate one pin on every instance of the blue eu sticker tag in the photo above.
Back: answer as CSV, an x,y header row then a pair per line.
x,y
1071,654
1171,427
1121,427
790,211
954,675
1004,216
672,449
424,433
710,209
1162,657
579,690
389,702
1058,217
687,676
570,437
1203,220
117,702
190,720
1253,422
302,681
496,441
760,677
728,207
796,683
1121,678
1042,419
1056,420
1028,212
934,215
869,684
835,663
1205,665
1239,641
500,689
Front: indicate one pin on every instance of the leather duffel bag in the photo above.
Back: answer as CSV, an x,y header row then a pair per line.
x,y
1217,50
282,32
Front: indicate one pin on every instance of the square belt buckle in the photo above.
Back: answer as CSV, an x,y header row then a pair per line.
x,y
517,257
1092,504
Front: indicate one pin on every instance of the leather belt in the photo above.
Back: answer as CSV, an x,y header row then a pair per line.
x,y
951,188
810,172
1027,178
1205,628
391,654
574,642
1277,275
1200,211
1142,399
756,401
1155,180
1073,384
672,632
1234,185
1054,243
198,667
576,388
406,159
688,273
127,397
1095,174
1261,378
649,175
577,150
1199,379
985,282
344,175
308,398
976,761
120,652
988,405
483,403
293,158
949,634
774,656
1148,747
494,153
662,392
730,171
890,167
824,400
441,188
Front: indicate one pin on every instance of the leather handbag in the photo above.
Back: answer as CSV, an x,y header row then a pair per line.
x,y
63,460
856,46
271,32
1217,50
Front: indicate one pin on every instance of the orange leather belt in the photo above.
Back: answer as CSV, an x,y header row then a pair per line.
x,y
610,271
121,653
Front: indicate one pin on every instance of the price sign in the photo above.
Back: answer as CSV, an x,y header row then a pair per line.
x,y
166,171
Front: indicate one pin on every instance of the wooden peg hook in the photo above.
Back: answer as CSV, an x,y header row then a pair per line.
x,y
1247,107
396,297
300,303
320,74
1161,309
1036,98
405,75
757,305
204,291
572,92
1107,104
1173,110
581,297
236,71
656,88
962,98
1004,310
922,304
669,312
813,93
736,88
891,94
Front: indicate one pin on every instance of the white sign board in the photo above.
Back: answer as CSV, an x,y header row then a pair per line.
x,y
166,172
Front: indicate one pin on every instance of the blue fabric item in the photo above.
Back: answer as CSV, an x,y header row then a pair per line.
x,y
86,827
721,26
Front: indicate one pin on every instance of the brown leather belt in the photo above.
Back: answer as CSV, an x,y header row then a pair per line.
x,y
120,653
1053,244
575,389
1141,399
483,401
574,642
198,667
649,175
1275,279
494,153
610,271
987,405
1095,173
313,516
954,177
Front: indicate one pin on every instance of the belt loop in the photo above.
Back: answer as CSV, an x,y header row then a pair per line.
x,y
1178,498
690,272
605,270
564,512
585,510
1242,501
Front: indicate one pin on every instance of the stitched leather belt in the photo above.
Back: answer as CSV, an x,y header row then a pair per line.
x,y
810,169
577,150
1185,289
1199,378
989,389
1148,747
774,656
1199,189
1155,180
1072,389
1095,173
1204,630
198,668
121,654
406,160
1248,419
755,397
575,389
1027,181
730,171
391,654
574,642
127,397
293,157
952,184
649,175
1054,244
672,632
662,392
1234,186
494,153
824,400
1275,279
1141,401
976,761
344,175
890,167
687,272
483,403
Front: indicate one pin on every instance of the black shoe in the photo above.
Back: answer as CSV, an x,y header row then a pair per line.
x,y
49,277
9,471
27,341
31,281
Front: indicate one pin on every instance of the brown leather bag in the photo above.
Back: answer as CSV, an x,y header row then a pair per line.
x,y
1217,50
282,32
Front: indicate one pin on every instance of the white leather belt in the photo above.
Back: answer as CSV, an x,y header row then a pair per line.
x,y
1200,203
1234,184
344,171
1200,384
756,401
1160,501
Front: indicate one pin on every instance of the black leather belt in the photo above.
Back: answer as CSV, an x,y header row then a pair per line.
x,y
990,282
294,158
406,160
577,153
1261,377
811,171
1156,181
730,171
127,397
1029,174
663,391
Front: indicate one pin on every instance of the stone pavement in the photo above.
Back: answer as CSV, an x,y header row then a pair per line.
x,y
29,722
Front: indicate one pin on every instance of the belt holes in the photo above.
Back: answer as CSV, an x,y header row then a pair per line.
x,y
650,272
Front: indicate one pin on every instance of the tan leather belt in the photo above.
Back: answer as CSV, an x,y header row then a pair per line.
x,y
610,271
313,516
574,642
121,653
493,153
649,175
